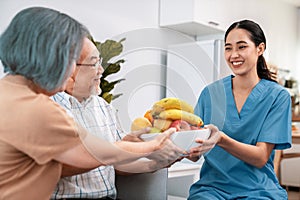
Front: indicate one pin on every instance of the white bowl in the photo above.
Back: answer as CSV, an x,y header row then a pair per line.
x,y
183,139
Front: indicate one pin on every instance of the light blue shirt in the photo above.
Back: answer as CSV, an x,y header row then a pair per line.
x,y
265,117
100,119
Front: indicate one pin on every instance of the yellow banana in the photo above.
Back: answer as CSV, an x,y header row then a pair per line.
x,y
162,124
171,103
175,114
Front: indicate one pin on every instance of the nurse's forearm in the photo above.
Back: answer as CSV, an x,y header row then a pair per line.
x,y
254,155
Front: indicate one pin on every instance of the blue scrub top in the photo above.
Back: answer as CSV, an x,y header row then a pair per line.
x,y
264,117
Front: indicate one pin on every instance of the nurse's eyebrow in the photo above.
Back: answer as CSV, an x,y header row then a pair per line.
x,y
239,42
242,42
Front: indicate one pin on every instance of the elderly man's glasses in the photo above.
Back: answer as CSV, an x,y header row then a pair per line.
x,y
97,64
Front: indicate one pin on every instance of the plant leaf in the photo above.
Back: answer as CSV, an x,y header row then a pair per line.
x,y
116,96
116,63
104,86
107,97
108,86
110,49
112,68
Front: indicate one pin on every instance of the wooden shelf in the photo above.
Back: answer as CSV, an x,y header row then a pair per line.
x,y
296,118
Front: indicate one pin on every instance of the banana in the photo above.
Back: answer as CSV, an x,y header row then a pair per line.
x,y
171,103
175,114
162,124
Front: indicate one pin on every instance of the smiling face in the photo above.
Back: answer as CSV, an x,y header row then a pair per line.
x,y
241,54
85,81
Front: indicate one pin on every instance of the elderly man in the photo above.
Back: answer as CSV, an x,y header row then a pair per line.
x,y
82,102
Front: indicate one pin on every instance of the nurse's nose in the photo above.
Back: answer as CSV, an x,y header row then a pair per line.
x,y
235,53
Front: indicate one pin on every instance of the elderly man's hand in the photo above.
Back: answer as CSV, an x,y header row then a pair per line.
x,y
166,152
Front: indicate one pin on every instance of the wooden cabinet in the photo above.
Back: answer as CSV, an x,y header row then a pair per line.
x,y
288,161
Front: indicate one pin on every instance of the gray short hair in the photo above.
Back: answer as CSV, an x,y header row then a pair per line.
x,y
41,44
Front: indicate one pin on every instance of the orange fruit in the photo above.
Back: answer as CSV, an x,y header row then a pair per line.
x,y
149,116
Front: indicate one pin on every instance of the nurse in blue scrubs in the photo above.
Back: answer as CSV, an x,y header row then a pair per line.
x,y
251,114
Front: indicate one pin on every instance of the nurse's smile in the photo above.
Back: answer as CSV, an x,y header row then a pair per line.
x,y
237,63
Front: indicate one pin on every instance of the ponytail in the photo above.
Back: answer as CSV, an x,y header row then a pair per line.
x,y
263,71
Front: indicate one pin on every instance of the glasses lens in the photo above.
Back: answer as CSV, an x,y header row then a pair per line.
x,y
98,63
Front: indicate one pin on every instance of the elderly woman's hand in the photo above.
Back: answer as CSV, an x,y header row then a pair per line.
x,y
134,136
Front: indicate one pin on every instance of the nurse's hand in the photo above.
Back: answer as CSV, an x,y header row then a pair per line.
x,y
205,145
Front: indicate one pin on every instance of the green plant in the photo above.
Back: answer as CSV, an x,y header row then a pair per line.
x,y
108,50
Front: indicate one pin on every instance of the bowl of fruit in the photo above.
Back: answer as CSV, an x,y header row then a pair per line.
x,y
183,139
172,112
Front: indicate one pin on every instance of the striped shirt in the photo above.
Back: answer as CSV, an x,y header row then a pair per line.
x,y
100,119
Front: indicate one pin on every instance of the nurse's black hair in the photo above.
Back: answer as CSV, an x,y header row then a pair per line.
x,y
257,36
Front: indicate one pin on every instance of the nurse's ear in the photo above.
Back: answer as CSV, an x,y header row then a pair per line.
x,y
261,48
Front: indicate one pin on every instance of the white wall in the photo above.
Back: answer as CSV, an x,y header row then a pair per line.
x,y
109,18
279,20
146,44
104,18
298,48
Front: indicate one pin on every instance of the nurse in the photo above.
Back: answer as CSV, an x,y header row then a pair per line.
x,y
251,117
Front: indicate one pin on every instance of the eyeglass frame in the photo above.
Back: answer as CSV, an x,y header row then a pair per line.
x,y
97,64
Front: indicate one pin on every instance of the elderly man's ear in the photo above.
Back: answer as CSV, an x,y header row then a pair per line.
x,y
70,85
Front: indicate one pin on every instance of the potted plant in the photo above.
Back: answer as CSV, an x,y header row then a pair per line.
x,y
108,50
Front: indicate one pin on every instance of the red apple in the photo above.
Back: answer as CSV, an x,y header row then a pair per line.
x,y
181,125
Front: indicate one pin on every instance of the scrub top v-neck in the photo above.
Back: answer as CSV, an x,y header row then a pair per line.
x,y
264,117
